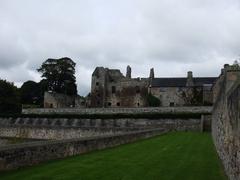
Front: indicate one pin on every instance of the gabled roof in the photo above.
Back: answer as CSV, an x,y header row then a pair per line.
x,y
181,82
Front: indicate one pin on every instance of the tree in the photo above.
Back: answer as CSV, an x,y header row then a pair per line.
x,y
30,93
9,98
192,96
60,75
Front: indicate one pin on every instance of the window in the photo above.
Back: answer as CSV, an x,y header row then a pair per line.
x,y
118,104
138,104
113,89
109,104
97,83
171,104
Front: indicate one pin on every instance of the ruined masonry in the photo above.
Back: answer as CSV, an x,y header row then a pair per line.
x,y
110,88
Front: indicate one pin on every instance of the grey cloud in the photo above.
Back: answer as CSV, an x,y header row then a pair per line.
x,y
168,34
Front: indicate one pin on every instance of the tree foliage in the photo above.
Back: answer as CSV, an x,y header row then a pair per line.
x,y
153,101
192,96
60,75
9,98
32,92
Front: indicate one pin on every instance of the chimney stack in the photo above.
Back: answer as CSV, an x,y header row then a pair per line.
x,y
151,76
129,72
189,79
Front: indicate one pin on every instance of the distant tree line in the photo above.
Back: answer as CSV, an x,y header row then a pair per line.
x,y
58,76
9,98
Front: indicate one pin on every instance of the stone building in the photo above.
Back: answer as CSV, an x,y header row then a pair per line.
x,y
183,91
57,100
110,88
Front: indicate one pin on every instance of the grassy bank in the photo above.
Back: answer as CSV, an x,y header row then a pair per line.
x,y
174,156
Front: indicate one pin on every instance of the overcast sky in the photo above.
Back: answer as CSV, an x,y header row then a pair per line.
x,y
173,36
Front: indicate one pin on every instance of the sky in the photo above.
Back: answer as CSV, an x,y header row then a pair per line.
x,y
173,36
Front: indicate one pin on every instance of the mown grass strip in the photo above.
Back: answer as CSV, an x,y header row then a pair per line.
x,y
174,156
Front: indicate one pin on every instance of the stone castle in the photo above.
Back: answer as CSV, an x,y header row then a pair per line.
x,y
110,88
61,131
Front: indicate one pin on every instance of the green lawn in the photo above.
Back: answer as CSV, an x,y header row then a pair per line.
x,y
175,156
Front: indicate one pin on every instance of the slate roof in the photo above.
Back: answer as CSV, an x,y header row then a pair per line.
x,y
199,81
181,82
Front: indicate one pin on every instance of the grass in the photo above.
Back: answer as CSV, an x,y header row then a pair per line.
x,y
174,156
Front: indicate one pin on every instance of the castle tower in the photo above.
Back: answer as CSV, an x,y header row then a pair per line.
x,y
98,87
189,79
129,72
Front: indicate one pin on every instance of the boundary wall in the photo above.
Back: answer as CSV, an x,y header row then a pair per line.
x,y
226,120
182,109
27,154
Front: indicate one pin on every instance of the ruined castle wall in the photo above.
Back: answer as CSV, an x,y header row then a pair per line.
x,y
226,121
27,154
56,100
98,87
129,93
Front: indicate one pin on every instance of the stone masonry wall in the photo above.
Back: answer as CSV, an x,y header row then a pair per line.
x,y
226,120
15,156
56,100
184,109
5,141
61,128
111,89
168,95
57,133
